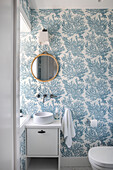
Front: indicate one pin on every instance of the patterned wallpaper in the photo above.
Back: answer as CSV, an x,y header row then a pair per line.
x,y
22,150
82,42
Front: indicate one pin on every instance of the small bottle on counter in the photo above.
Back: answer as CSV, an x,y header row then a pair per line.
x,y
57,115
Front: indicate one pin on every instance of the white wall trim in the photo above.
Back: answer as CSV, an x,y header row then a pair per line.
x,y
75,161
25,17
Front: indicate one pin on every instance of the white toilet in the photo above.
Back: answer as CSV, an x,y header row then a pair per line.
x,y
101,158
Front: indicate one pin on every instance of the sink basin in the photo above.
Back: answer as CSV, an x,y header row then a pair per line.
x,y
43,118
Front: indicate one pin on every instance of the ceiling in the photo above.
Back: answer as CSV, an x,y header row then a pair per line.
x,y
70,4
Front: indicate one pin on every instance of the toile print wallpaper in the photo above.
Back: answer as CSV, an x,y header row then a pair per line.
x,y
22,150
82,42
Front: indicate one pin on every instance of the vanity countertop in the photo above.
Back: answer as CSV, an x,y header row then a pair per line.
x,y
55,124
23,121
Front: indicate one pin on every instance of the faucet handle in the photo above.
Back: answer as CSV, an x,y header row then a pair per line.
x,y
52,96
37,95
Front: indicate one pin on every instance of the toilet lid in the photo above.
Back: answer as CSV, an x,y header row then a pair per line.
x,y
102,156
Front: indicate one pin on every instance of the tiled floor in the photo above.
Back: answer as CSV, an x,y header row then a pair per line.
x,y
76,168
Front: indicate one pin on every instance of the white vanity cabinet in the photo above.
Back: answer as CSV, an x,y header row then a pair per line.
x,y
43,146
42,142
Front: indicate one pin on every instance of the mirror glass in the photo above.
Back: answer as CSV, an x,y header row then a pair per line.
x,y
44,67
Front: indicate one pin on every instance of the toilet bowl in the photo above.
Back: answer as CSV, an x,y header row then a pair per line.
x,y
101,158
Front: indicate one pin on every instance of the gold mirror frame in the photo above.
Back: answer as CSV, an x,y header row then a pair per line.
x,y
45,54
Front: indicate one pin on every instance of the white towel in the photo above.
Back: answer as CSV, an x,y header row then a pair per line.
x,y
68,128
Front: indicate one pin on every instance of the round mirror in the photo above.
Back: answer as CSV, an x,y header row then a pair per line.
x,y
44,67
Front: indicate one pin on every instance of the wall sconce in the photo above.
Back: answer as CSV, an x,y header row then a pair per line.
x,y
43,38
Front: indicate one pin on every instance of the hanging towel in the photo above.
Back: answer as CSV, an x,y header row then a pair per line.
x,y
68,128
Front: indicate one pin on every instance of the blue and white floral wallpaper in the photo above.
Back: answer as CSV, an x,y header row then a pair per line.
x,y
22,150
82,42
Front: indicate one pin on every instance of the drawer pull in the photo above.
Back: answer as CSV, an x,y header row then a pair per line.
x,y
41,131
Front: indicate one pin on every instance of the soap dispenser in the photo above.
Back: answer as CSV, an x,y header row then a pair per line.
x,y
57,115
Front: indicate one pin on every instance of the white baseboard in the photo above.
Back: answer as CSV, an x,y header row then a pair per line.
x,y
75,161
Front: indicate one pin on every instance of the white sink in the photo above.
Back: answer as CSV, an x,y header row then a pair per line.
x,y
43,118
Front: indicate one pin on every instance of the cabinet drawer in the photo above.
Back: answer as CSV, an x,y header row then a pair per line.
x,y
42,142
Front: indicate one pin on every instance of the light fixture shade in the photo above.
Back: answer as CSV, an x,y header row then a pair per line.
x,y
43,38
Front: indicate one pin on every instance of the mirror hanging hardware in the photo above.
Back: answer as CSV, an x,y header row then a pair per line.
x,y
45,52
52,96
